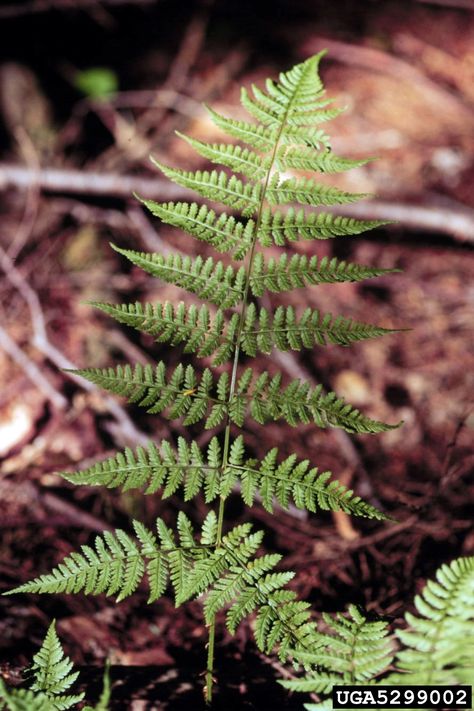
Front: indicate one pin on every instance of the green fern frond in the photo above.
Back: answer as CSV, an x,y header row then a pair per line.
x,y
284,330
352,651
221,285
153,468
262,331
281,227
218,187
52,676
256,135
303,158
438,643
287,273
52,669
306,191
284,134
23,700
242,160
221,231
203,334
114,566
117,564
183,394
291,479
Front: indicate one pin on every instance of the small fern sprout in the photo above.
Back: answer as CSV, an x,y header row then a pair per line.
x,y
266,203
52,676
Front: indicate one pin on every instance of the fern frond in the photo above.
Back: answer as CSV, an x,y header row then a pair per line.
x,y
284,330
271,112
53,675
297,271
221,231
298,402
117,564
218,187
52,670
295,480
281,227
231,577
304,158
215,336
114,566
221,285
283,134
167,469
24,700
439,641
237,546
255,135
307,191
242,160
182,394
202,333
353,651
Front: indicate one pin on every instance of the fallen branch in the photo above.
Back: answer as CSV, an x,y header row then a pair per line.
x,y
456,220
83,182
31,370
40,341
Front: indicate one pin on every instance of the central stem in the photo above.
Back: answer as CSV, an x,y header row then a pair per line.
x,y
233,381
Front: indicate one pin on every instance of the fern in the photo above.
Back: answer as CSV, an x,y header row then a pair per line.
x,y
437,647
164,468
438,643
352,651
254,183
208,335
52,676
183,393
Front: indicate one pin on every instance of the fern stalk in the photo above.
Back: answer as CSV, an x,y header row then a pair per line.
x,y
233,378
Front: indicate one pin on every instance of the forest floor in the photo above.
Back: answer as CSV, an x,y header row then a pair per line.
x,y
405,71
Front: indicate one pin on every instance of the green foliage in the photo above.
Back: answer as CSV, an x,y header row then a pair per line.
x,y
97,82
167,469
351,651
223,566
52,676
438,643
206,334
436,647
183,393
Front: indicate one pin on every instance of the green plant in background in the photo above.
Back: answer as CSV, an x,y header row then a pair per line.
x,y
53,676
436,646
96,82
221,563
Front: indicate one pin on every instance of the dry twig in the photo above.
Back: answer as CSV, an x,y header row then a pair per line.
x,y
456,220
125,427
